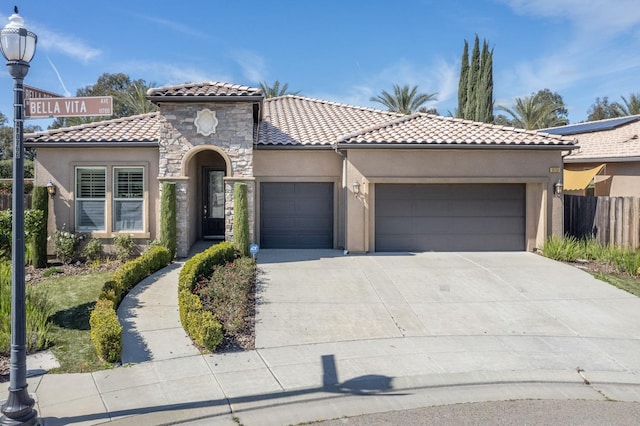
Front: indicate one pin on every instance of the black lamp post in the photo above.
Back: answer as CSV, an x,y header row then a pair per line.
x,y
18,46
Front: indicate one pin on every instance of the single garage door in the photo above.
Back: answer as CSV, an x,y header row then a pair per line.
x,y
296,215
456,217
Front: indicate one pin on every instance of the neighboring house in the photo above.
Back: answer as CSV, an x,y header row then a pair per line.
x,y
607,159
320,174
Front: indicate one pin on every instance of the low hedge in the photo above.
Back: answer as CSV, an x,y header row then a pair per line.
x,y
203,262
104,334
199,323
106,331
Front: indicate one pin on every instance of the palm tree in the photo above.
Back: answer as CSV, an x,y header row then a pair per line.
x,y
275,90
534,112
404,99
134,98
631,106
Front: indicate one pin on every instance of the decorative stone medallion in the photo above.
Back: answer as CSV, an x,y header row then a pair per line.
x,y
206,122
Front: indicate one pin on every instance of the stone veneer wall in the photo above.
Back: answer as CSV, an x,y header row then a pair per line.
x,y
178,135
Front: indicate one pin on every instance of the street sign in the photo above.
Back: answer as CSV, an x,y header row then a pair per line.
x,y
30,92
91,106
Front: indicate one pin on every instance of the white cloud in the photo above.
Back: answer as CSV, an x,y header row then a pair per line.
x,y
174,26
602,18
252,64
67,45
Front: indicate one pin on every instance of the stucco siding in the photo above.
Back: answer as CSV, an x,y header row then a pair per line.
x,y
537,169
58,165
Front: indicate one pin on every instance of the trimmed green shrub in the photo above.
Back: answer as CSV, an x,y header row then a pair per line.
x,y
106,331
168,223
33,223
93,250
202,264
241,235
199,323
66,244
124,246
106,340
40,201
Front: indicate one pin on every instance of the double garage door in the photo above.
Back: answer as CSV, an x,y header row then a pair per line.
x,y
296,215
456,217
408,217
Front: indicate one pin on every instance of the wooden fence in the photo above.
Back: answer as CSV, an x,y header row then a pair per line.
x,y
6,204
611,220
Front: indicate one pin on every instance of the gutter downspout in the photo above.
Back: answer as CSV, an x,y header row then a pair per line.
x,y
344,196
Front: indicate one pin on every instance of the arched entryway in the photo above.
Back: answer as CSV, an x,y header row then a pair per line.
x,y
206,168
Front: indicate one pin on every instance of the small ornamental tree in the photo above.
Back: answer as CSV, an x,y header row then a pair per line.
x,y
241,236
40,201
168,217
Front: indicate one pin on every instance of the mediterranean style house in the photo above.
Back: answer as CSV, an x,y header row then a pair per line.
x,y
320,174
607,161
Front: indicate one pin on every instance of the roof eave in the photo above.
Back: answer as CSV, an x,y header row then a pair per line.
x,y
195,99
601,159
344,145
93,144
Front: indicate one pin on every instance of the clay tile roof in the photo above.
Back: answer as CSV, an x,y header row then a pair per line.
x,y
605,140
434,130
298,121
206,89
144,128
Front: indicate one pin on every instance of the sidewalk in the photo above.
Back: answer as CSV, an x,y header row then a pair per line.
x,y
164,380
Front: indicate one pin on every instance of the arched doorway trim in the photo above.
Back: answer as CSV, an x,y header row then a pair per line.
x,y
184,167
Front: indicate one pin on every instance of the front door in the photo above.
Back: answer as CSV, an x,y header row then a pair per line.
x,y
213,203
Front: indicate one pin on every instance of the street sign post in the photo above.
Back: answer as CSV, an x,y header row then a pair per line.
x,y
30,92
91,106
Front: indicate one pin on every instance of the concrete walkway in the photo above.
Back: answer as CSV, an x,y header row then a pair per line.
x,y
164,380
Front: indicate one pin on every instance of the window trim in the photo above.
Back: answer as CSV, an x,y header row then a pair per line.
x,y
115,200
108,230
78,199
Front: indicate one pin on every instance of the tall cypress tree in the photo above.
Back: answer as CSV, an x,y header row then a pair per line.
x,y
463,82
484,89
475,98
472,81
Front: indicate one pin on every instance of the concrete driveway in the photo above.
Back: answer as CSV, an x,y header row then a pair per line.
x,y
322,296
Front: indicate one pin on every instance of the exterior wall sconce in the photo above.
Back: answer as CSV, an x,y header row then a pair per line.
x,y
51,189
356,188
558,188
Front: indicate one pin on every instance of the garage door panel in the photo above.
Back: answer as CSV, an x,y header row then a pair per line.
x,y
456,217
296,215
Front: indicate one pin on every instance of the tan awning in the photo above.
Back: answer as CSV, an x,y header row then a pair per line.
x,y
578,180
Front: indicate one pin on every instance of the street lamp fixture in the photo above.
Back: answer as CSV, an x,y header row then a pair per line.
x,y
18,45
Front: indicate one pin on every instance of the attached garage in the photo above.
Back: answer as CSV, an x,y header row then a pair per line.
x,y
450,217
296,215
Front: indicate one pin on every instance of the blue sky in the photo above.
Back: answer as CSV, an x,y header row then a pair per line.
x,y
338,50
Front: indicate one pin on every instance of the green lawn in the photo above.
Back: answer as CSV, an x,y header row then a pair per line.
x,y
622,281
73,297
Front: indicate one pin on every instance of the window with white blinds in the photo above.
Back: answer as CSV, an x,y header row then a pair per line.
x,y
128,197
91,185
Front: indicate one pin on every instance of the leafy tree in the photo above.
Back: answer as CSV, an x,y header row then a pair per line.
x,y
475,87
603,109
534,112
126,98
405,99
276,90
631,106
